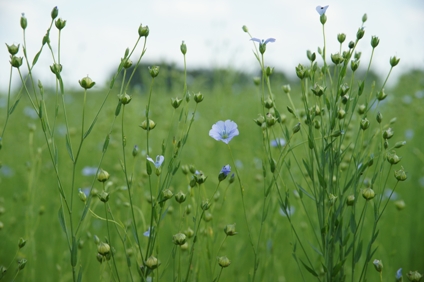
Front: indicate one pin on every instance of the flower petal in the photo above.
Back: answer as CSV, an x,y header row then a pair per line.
x,y
269,40
159,161
321,10
256,40
150,160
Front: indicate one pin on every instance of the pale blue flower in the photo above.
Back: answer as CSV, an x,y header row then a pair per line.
x,y
321,10
226,169
399,274
261,41
280,142
147,233
89,171
224,131
158,162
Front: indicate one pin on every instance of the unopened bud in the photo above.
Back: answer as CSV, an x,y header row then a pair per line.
x,y
149,126
365,123
179,239
223,262
21,243
378,265
341,37
152,262
103,248
374,41
24,22
103,175
154,71
296,128
350,200
400,175
368,194
183,48
16,62
82,195
198,97
143,31
124,98
230,229
104,196
379,117
86,82
13,49
388,133
176,102
245,29
286,88
54,13
394,61
180,197
60,24
381,95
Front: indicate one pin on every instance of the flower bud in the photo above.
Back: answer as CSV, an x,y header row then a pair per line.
x,y
394,61
351,45
286,88
189,232
24,22
361,109
176,102
126,63
179,239
103,175
269,71
379,117
381,95
354,65
296,128
82,195
56,69
224,172
192,168
86,82
54,13
207,217
392,158
104,196
365,123
323,19
13,49
341,37
22,263
386,144
262,48
188,209
336,58
124,98
183,48
198,97
378,265
60,24
245,29
151,125
260,120
400,205
341,114
270,119
343,89
300,71
223,262
257,80
154,71
152,262
368,194
180,197
400,175
103,248
311,56
414,276
16,62
364,18
230,229
388,133
200,177
345,99
21,243
135,151
167,194
318,90
232,179
374,41
143,31
350,200
205,205
400,144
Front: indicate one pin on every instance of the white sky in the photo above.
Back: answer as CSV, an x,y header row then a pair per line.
x,y
98,32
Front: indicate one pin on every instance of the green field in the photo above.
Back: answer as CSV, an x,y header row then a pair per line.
x,y
55,140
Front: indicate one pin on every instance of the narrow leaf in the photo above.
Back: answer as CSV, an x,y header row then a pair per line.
x,y
69,147
309,269
62,220
74,251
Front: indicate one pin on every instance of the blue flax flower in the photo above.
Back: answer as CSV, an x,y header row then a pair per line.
x,y
147,233
399,274
261,41
321,10
278,142
226,169
224,131
158,162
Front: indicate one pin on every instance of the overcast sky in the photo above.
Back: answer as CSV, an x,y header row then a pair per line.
x,y
98,32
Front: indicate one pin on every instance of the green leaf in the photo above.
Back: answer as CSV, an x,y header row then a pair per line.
x,y
90,128
148,167
79,279
69,147
36,58
353,224
62,220
118,108
74,251
309,269
337,268
306,192
106,143
14,106
358,252
321,180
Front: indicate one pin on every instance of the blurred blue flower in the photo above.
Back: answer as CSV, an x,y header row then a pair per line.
x,y
158,162
278,142
30,112
226,169
224,131
147,233
321,10
399,274
261,41
89,171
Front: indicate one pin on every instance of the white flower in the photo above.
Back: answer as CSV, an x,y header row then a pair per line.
x,y
158,162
